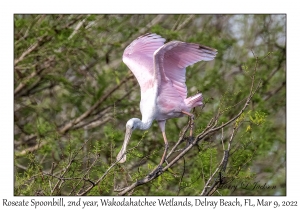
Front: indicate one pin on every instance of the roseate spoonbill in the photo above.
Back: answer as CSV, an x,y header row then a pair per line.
x,y
160,71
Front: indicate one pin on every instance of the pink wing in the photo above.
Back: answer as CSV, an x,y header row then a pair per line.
x,y
173,58
138,56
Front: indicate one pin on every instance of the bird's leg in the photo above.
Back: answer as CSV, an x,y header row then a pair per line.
x,y
158,169
163,158
191,122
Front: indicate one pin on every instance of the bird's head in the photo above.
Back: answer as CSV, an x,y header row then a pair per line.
x,y
131,125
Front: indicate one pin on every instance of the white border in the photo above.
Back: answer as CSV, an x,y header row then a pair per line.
x,y
8,8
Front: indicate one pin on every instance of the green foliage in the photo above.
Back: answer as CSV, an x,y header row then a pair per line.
x,y
73,96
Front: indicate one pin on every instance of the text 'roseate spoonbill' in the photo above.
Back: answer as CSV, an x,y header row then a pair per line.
x,y
160,71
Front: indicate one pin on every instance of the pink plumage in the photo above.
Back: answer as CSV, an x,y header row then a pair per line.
x,y
160,71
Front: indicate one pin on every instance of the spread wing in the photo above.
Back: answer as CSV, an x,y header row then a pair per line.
x,y
138,56
172,60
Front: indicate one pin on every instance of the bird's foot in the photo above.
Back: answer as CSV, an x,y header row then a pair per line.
x,y
189,140
156,171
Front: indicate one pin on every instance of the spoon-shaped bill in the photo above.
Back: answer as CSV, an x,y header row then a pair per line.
x,y
122,154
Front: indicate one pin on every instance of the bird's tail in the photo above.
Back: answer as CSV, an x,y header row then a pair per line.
x,y
194,101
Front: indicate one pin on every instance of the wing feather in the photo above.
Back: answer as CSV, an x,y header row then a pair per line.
x,y
138,56
175,56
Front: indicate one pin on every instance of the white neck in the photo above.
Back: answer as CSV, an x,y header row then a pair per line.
x,y
146,125
143,125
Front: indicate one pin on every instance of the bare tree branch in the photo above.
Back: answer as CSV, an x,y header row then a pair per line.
x,y
186,21
71,160
41,41
70,124
221,167
49,62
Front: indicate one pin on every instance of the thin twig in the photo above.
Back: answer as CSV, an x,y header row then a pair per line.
x,y
183,172
107,171
180,140
86,173
186,21
71,123
68,166
25,81
69,178
221,167
41,41
78,27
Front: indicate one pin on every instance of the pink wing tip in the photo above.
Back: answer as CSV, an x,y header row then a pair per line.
x,y
208,50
